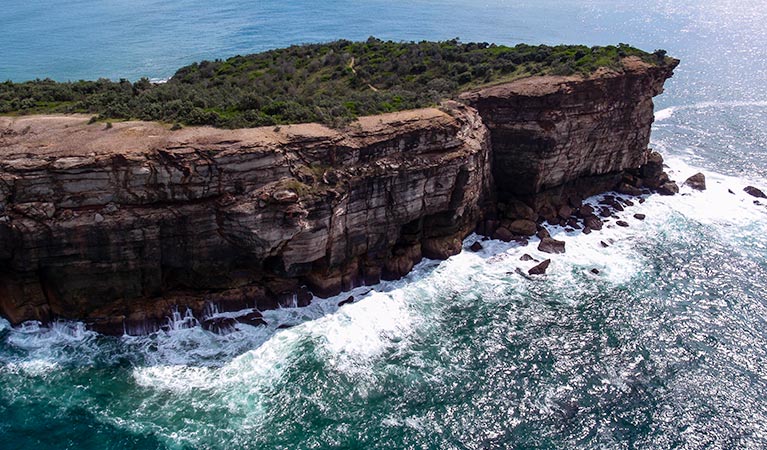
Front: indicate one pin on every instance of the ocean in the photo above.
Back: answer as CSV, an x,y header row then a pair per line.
x,y
665,348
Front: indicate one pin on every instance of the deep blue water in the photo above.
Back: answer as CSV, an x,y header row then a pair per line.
x,y
666,348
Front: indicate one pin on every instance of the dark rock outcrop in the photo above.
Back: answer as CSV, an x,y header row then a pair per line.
x,y
540,269
116,227
239,218
754,192
599,127
697,182
549,245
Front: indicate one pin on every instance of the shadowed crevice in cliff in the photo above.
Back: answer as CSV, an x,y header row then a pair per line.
x,y
117,227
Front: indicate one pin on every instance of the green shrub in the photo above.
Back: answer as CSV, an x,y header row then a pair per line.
x,y
312,83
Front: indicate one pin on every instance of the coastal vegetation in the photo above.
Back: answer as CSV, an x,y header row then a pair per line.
x,y
331,83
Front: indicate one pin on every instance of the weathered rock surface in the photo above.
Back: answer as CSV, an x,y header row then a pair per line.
x,y
556,137
550,245
118,226
754,192
540,269
242,218
697,182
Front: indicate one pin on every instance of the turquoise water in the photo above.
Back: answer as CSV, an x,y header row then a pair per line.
x,y
665,348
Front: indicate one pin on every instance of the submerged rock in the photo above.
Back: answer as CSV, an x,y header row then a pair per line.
x,y
220,325
639,216
254,318
475,247
349,300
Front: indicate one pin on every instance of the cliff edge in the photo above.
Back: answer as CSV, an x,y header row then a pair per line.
x,y
118,226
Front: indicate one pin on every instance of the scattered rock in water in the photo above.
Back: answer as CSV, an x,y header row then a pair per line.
x,y
593,223
605,212
757,203
220,325
285,326
627,189
540,269
627,202
565,212
521,240
622,223
254,318
668,188
475,247
503,234
573,223
604,244
523,227
595,271
586,230
697,182
543,233
639,216
754,192
641,200
730,191
526,257
346,302
569,230
549,245
585,211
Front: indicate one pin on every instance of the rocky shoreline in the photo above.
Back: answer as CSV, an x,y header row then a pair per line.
x,y
118,227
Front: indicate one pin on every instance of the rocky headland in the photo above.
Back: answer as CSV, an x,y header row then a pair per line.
x,y
119,225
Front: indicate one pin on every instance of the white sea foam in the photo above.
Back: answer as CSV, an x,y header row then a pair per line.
x,y
241,369
664,114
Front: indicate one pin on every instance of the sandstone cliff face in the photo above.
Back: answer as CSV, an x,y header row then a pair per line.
x,y
99,224
118,226
550,132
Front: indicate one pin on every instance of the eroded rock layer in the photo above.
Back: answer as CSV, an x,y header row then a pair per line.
x,y
554,132
117,226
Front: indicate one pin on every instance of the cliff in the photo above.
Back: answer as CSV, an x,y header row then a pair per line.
x,y
117,226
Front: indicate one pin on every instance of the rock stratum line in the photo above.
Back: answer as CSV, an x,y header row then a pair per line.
x,y
118,226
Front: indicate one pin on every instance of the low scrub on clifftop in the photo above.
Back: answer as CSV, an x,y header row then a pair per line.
x,y
330,83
